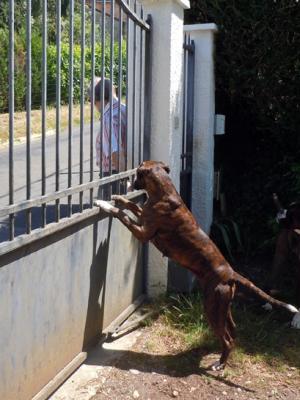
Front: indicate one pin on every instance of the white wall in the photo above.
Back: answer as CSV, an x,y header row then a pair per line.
x,y
204,123
166,113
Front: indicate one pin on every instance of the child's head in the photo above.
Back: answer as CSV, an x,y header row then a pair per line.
x,y
98,92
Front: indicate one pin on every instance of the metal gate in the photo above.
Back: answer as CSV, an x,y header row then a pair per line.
x,y
39,183
188,118
61,262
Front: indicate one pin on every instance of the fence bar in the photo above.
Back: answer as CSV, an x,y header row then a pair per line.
x,y
92,98
184,104
25,205
127,92
111,98
120,91
102,86
44,105
82,75
52,228
190,105
58,97
11,113
133,94
147,91
133,16
71,94
28,112
141,87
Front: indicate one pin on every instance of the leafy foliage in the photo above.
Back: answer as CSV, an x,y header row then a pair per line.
x,y
258,89
227,235
36,44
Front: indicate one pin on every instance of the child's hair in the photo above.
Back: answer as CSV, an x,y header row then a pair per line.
x,y
107,88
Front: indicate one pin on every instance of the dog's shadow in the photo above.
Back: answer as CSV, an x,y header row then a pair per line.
x,y
180,365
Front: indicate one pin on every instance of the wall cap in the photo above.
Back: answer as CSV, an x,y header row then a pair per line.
x,y
185,4
200,27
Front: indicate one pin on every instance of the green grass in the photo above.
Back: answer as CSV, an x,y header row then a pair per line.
x,y
36,121
261,336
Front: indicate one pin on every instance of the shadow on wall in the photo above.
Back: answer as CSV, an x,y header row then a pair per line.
x,y
98,272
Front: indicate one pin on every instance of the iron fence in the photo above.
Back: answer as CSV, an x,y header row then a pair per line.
x,y
188,121
64,167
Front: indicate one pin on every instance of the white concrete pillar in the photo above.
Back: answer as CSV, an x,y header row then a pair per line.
x,y
204,123
166,101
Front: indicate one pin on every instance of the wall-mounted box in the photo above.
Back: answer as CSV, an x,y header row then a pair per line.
x,y
219,124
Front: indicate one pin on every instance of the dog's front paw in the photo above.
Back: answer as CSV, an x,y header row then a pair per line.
x,y
119,199
296,321
106,206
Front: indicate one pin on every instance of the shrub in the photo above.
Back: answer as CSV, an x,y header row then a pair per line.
x,y
77,69
258,89
20,69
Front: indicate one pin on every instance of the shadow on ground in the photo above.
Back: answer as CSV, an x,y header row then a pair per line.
x,y
179,365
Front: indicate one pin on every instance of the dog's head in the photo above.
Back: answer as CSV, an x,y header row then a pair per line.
x,y
149,173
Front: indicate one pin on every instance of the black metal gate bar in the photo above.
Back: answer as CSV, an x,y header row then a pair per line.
x,y
190,104
82,77
58,101
37,201
147,91
11,113
141,89
133,16
127,83
102,79
70,120
120,91
93,4
184,108
44,105
28,111
188,118
111,99
133,93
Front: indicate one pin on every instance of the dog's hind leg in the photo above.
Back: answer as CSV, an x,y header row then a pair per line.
x,y
231,324
217,308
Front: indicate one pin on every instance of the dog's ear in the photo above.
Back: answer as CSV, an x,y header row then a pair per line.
x,y
165,167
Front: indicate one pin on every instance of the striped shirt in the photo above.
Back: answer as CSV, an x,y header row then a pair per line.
x,y
114,138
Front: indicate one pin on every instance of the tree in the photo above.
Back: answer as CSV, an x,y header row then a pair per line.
x,y
258,88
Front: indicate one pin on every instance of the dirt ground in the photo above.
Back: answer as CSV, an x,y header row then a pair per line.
x,y
153,366
154,369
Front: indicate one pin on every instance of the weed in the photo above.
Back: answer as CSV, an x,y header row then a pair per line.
x,y
261,337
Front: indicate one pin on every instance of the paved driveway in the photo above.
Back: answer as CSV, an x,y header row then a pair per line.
x,y
36,160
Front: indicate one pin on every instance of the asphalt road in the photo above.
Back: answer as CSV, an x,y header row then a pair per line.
x,y
36,182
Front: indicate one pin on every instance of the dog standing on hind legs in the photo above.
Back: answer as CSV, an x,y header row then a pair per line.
x,y
169,225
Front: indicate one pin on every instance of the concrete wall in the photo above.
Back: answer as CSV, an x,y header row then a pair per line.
x,y
166,107
56,297
203,142
204,123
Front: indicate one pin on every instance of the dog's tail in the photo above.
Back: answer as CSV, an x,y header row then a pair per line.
x,y
250,287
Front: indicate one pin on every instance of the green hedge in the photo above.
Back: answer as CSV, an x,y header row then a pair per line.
x,y
20,70
20,78
258,89
77,69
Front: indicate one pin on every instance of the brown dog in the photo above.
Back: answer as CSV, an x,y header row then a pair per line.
x,y
287,246
170,226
